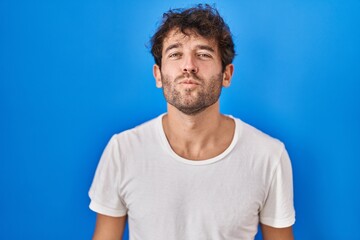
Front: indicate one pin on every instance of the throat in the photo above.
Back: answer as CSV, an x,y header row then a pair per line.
x,y
200,143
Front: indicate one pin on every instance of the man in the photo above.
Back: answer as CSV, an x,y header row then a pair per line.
x,y
193,173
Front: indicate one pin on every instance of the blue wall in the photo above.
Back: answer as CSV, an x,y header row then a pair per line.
x,y
72,73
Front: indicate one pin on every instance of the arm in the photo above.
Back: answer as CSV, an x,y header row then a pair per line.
x,y
109,228
271,233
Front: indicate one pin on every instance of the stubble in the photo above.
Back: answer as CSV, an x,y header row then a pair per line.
x,y
192,101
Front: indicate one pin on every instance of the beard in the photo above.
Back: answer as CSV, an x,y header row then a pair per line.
x,y
192,101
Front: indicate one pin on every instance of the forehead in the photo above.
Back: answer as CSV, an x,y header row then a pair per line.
x,y
176,36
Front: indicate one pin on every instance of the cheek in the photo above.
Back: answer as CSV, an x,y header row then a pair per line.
x,y
168,77
170,65
166,81
208,69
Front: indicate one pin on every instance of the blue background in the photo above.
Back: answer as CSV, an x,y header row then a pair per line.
x,y
72,73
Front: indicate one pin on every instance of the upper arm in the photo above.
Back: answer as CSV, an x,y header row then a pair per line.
x,y
109,228
271,233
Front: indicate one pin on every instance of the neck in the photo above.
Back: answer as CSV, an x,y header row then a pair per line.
x,y
200,136
198,122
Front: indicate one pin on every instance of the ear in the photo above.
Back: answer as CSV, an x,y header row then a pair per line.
x,y
227,75
157,76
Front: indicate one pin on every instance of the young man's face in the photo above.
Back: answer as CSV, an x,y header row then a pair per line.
x,y
191,72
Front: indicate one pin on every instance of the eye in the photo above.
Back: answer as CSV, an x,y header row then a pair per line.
x,y
174,55
204,55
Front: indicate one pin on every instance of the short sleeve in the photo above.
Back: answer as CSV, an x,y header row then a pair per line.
x,y
104,191
278,210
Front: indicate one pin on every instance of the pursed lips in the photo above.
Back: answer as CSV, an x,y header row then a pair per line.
x,y
189,82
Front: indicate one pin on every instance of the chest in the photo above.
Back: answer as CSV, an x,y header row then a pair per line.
x,y
215,196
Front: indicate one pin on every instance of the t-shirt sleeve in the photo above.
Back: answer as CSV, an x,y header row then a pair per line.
x,y
104,191
278,210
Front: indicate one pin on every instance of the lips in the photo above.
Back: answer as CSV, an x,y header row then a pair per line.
x,y
189,81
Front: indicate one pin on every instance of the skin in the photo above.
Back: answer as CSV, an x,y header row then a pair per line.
x,y
191,77
187,79
109,228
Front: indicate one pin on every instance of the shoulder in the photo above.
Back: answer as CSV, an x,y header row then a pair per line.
x,y
257,142
263,153
252,135
140,134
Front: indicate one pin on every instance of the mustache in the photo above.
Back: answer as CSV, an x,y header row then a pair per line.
x,y
188,75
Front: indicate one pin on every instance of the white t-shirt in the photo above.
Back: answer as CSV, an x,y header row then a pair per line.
x,y
168,197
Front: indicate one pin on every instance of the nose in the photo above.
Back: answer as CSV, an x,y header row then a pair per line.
x,y
189,65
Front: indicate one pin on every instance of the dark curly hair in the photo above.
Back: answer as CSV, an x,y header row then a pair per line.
x,y
204,20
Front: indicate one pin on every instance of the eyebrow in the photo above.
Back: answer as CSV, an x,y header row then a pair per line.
x,y
172,46
177,45
205,47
